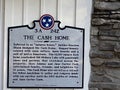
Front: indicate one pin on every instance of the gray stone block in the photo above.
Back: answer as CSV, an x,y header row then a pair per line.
x,y
112,64
113,33
102,21
94,41
115,12
117,47
101,16
107,5
102,78
98,21
106,27
115,16
101,54
96,12
93,89
114,73
96,62
106,45
108,38
105,85
116,25
94,31
99,70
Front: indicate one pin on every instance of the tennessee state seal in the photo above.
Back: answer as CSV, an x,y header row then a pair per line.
x,y
46,22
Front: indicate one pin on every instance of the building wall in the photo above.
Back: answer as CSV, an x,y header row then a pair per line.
x,y
105,45
104,36
23,12
1,43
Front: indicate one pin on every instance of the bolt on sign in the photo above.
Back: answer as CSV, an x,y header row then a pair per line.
x,y
45,55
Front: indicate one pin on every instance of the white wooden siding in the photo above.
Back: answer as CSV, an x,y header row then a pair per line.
x,y
22,12
1,42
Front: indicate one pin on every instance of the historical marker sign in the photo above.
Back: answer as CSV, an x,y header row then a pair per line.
x,y
45,55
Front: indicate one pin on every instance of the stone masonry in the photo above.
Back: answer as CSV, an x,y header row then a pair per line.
x,y
105,45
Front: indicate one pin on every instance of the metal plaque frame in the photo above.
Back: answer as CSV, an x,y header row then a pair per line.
x,y
18,30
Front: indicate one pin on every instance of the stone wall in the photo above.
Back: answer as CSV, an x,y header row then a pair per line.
x,y
105,45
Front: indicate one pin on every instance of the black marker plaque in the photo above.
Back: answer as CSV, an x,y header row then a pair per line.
x,y
45,56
